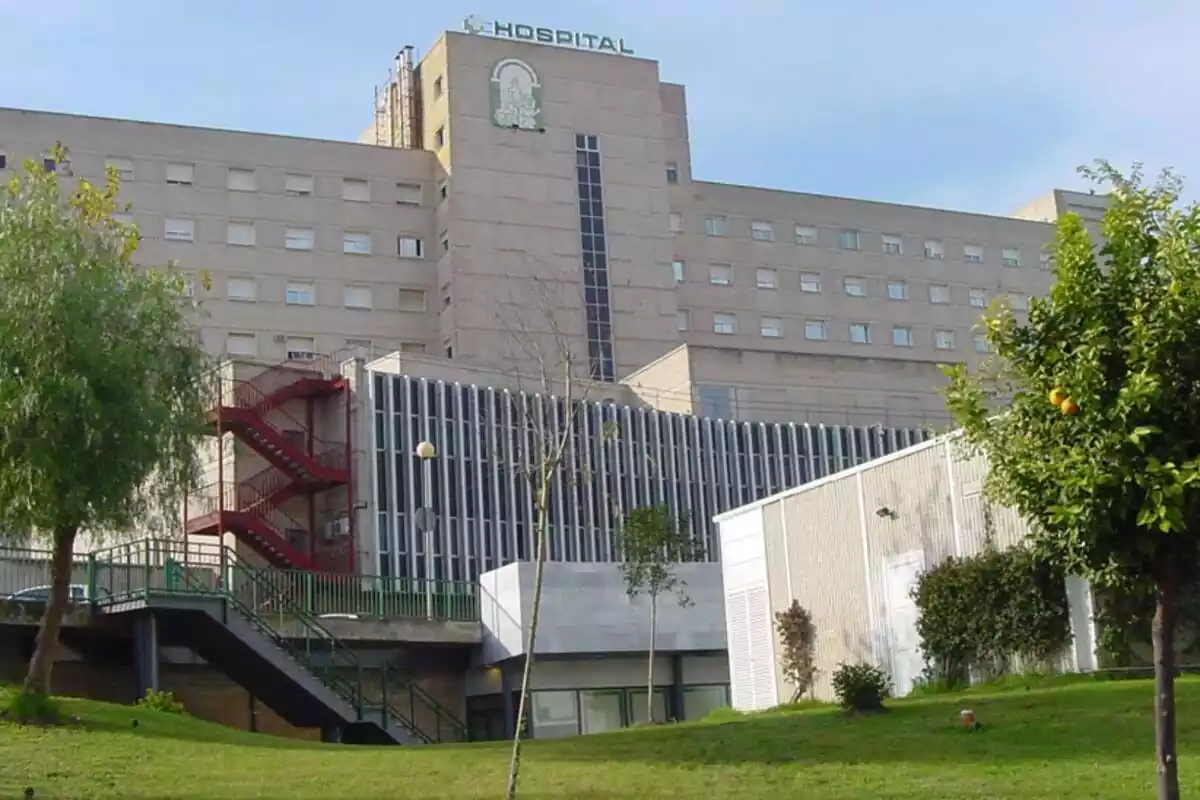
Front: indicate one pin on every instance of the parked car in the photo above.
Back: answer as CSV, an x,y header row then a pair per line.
x,y
40,594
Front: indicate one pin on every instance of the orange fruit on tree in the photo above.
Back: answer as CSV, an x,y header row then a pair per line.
x,y
1057,396
1069,407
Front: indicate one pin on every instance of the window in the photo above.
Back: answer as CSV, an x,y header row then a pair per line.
x,y
855,287
1010,257
978,298
444,241
893,244
724,323
356,190
943,340
1044,261
897,290
410,299
934,249
716,226
700,701
241,180
241,344
409,247
767,278
902,336
298,239
682,320
240,233
973,254
1018,301
439,138
720,274
298,185
179,230
123,166
437,87
242,289
939,293
714,402
300,294
762,231
3,160
810,282
672,172
981,343
49,164
678,270
301,348
443,189
860,333
849,239
180,174
362,345
771,327
408,194
806,234
814,330
676,222
356,243
412,347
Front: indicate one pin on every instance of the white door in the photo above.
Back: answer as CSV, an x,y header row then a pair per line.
x,y
900,576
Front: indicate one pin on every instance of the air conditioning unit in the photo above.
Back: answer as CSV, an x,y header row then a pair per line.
x,y
336,529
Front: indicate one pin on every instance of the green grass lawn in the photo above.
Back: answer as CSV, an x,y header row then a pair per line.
x,y
1078,740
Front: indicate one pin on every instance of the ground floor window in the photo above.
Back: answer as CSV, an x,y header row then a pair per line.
x,y
555,714
569,712
700,701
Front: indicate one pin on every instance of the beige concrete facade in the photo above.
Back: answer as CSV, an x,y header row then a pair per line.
x,y
468,247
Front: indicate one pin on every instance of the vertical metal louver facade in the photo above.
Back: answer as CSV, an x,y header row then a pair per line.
x,y
618,458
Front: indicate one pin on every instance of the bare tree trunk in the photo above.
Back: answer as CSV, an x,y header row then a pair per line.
x,y
37,679
650,671
514,763
1164,679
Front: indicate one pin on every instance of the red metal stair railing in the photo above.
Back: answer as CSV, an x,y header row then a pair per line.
x,y
252,518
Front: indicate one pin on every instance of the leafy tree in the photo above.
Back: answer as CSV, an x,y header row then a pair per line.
x,y
653,542
101,382
1099,447
797,647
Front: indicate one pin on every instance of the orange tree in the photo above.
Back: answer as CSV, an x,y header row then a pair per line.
x,y
1098,448
101,382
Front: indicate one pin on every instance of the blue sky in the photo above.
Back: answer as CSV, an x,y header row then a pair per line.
x,y
978,106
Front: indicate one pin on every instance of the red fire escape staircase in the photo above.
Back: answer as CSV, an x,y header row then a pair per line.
x,y
299,465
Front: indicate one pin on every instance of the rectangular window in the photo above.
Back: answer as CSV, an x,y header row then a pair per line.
x,y
439,138
177,229
409,247
716,226
301,348
49,164
767,278
714,402
437,87
443,189
814,330
762,231
244,290
672,172
241,180
939,293
180,174
410,300
1018,301
771,327
981,343
682,320
356,190
893,244
189,285
849,239
357,297
902,336
408,194
241,344
3,160
720,274
725,323
298,238
414,348
806,234
123,166
943,339
934,249
860,333
810,282
300,294
973,254
362,345
678,270
240,233
855,287
298,185
676,222
356,243
1010,257
897,290
978,298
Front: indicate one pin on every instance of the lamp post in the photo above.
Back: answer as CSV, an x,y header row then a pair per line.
x,y
427,518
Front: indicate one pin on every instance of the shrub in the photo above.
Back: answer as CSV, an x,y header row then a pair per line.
x,y
860,687
156,700
797,639
977,614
